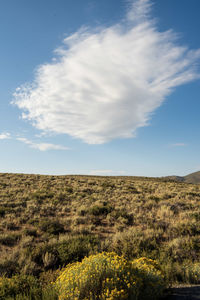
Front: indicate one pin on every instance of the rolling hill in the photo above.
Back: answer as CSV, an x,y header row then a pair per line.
x,y
193,178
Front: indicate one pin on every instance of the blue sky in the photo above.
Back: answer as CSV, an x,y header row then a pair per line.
x,y
100,87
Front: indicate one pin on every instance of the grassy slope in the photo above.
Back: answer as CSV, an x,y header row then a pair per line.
x,y
49,221
193,178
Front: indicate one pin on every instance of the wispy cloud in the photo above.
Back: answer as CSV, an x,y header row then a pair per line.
x,y
178,145
42,146
107,172
106,83
4,136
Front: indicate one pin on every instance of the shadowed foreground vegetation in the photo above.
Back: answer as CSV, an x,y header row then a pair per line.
x,y
47,222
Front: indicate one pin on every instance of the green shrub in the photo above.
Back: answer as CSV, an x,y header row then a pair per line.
x,y
185,271
30,232
8,268
69,190
51,226
135,243
2,211
12,226
10,239
122,214
192,273
53,255
26,288
98,210
44,256
75,248
18,284
33,222
182,248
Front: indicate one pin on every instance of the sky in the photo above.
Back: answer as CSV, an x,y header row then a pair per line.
x,y
106,87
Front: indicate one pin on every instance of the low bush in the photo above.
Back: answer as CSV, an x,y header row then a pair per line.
x,y
8,268
51,226
76,248
55,254
192,273
30,232
39,196
16,285
109,276
135,243
98,210
2,211
10,239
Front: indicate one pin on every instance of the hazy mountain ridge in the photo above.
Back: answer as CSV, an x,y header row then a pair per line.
x,y
190,178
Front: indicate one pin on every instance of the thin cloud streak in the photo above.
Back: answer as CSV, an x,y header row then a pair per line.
x,y
178,145
107,173
105,83
42,146
39,146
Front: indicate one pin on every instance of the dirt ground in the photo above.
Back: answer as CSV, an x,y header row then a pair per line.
x,y
184,293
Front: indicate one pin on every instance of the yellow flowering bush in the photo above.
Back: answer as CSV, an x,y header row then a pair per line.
x,y
109,276
151,278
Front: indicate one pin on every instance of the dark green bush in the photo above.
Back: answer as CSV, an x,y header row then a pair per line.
x,y
69,190
2,211
107,184
135,243
19,284
37,255
98,210
10,239
8,268
12,226
30,232
76,248
51,256
40,195
122,213
51,226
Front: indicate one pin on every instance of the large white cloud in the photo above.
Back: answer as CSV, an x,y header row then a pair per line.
x,y
106,83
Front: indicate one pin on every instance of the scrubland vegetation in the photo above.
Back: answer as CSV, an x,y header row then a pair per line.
x,y
49,222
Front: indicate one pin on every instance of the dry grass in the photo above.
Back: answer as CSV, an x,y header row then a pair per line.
x,y
48,221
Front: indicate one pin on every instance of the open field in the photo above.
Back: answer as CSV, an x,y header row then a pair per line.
x,y
47,222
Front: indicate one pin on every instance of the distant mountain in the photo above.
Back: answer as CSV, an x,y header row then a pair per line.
x,y
190,178
193,177
174,178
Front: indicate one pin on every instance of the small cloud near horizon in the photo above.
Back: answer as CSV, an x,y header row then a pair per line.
x,y
5,136
42,146
107,172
